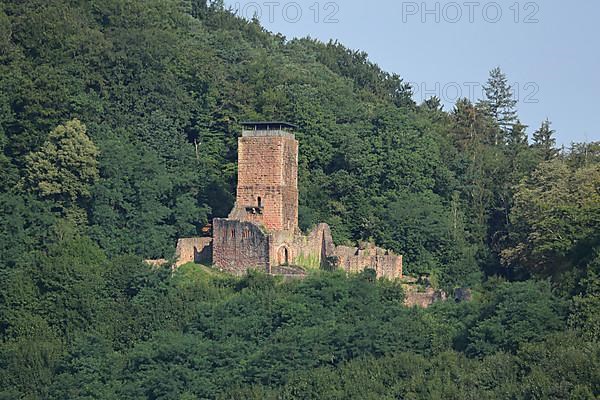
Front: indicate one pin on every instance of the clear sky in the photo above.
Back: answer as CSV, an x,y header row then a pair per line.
x,y
550,50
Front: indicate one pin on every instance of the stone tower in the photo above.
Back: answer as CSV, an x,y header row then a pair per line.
x,y
267,190
262,229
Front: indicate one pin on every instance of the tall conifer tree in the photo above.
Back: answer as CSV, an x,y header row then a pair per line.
x,y
544,142
500,103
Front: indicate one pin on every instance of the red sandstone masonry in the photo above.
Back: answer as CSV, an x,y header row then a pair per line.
x,y
268,169
197,250
239,246
384,262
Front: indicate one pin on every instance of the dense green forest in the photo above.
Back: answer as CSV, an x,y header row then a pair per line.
x,y
118,132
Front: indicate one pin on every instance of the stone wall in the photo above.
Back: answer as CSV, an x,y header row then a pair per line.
x,y
239,246
385,263
309,251
423,299
267,190
197,250
314,250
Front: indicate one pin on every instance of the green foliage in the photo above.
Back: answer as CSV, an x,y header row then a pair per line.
x,y
64,169
25,225
66,165
120,329
537,372
582,154
584,317
523,312
500,102
433,238
556,220
544,142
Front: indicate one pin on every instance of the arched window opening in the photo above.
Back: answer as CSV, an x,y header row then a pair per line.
x,y
284,256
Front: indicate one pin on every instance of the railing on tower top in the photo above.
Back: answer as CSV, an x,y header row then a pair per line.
x,y
266,133
268,128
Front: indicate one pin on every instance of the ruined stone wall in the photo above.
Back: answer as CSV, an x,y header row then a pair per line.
x,y
414,298
309,251
389,266
385,263
239,246
197,250
267,191
315,248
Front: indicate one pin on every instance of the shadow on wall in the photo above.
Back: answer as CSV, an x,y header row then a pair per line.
x,y
196,250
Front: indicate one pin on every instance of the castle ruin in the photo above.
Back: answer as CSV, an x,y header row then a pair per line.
x,y
261,232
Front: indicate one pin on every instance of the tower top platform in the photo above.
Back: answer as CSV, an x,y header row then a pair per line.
x,y
268,128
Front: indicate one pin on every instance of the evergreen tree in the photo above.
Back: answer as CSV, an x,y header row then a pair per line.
x,y
434,103
581,154
544,142
521,159
517,137
199,8
499,103
467,124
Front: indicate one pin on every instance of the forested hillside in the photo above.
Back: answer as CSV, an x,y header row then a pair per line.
x,y
118,132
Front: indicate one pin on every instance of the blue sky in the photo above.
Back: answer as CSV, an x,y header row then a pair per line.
x,y
549,50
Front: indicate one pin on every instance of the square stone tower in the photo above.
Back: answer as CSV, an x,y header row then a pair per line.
x,y
267,190
262,229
